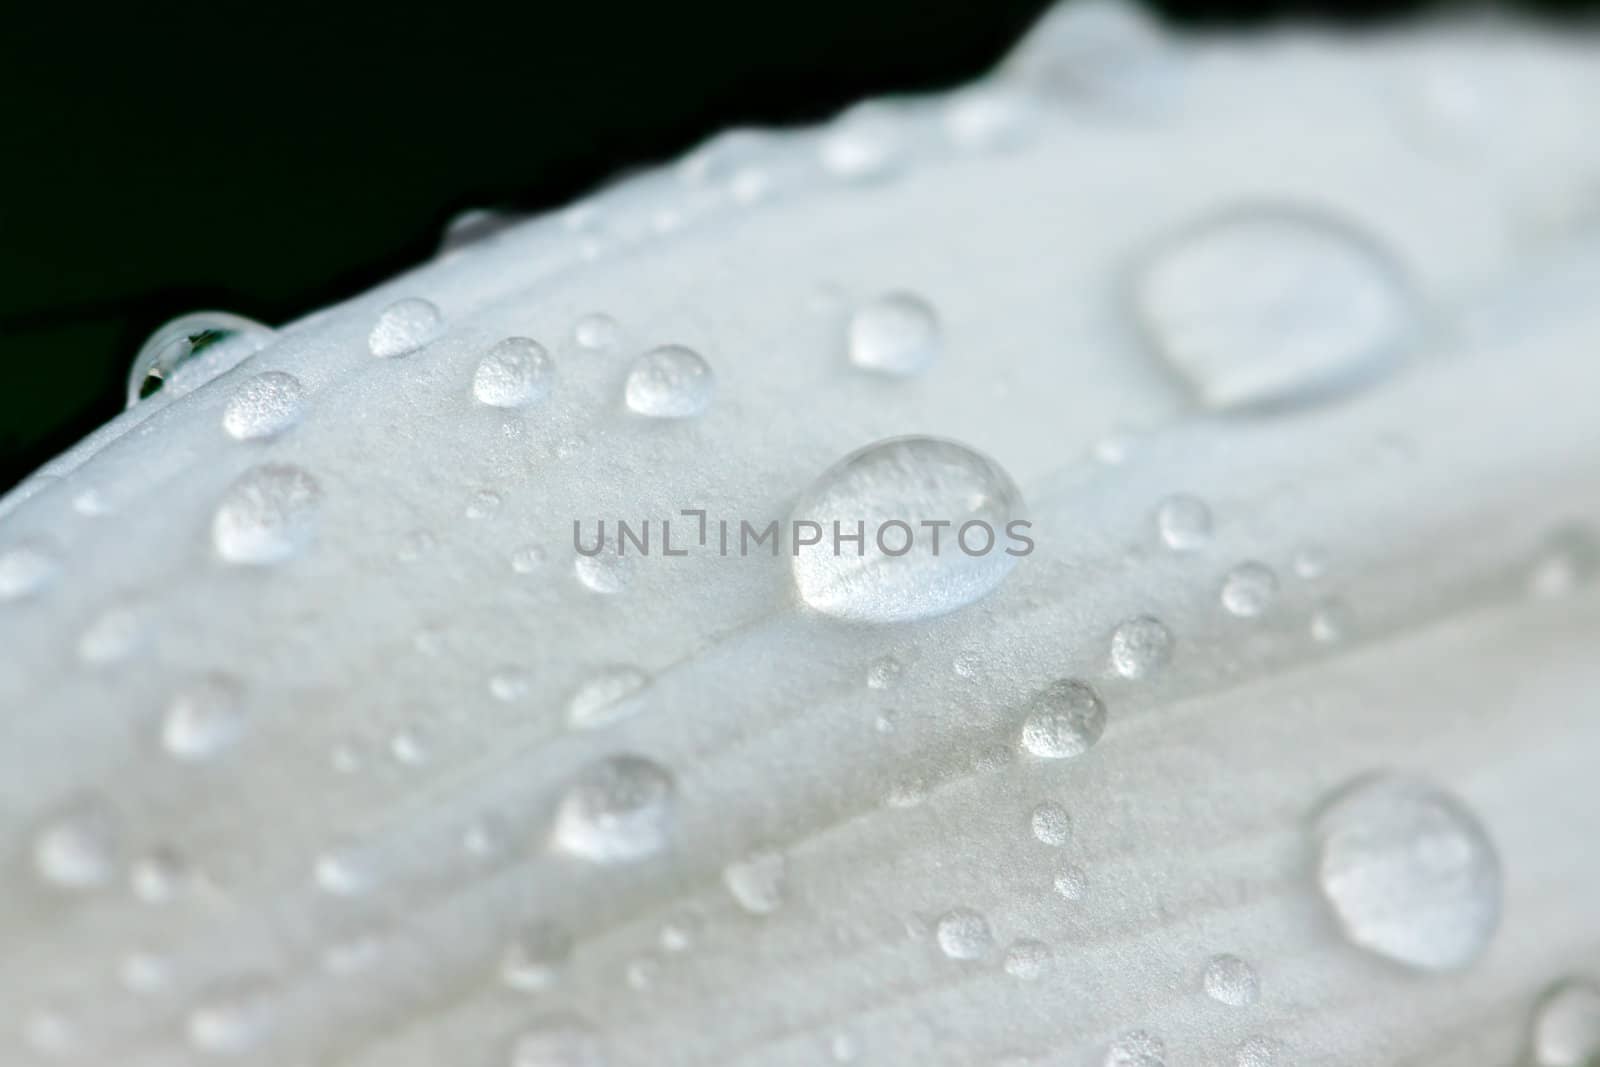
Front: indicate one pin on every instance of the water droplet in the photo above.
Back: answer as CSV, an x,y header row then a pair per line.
x,y
51,1033
342,874
1330,621
678,935
233,1022
474,225
527,559
618,810
908,568
1184,522
267,515
534,960
159,876
1257,1051
483,504
670,382
1028,959
1569,558
1137,1048
607,697
513,373
896,334
989,118
1106,53
409,749
884,673
404,327
144,972
26,568
1064,720
1309,563
205,718
1273,306
1072,883
963,934
642,973
509,684
606,572
189,351
1230,980
1409,872
596,331
1140,647
1051,824
844,1048
77,848
1249,589
758,881
114,636
863,145
1566,1026
557,1041
263,406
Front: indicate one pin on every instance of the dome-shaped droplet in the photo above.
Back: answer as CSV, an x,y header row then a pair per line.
x,y
1140,647
1072,883
1566,1026
77,847
512,374
758,881
1051,824
990,118
1137,1048
267,515
1249,589
1063,721
1230,980
1184,522
204,718
263,406
1409,872
609,696
963,934
896,334
1028,959
596,331
404,327
1272,306
618,810
865,144
670,382
26,568
189,351
535,958
939,523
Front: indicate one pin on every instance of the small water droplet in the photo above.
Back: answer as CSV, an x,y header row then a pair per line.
x,y
678,935
25,569
483,504
1568,558
607,697
404,327
884,673
509,684
1184,522
863,145
474,225
1028,959
159,876
1310,563
618,810
204,718
963,934
642,973
1566,1025
1257,1051
1230,980
606,572
193,349
1064,720
670,382
844,1048
1409,872
1270,306
51,1033
1051,824
267,515
1137,1048
408,748
115,635
233,1022
908,568
758,881
557,1041
144,972
1249,589
1140,647
1072,883
989,117
513,373
263,406
534,960
527,559
896,334
342,874
77,847
596,331
1330,621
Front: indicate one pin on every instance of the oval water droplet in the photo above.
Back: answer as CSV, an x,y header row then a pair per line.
x,y
1184,522
1140,647
404,327
25,569
263,406
77,847
963,934
1230,980
1409,872
1051,824
936,519
189,351
1566,1026
607,697
758,881
267,515
203,719
1064,720
1270,306
513,374
618,810
1249,589
896,334
670,382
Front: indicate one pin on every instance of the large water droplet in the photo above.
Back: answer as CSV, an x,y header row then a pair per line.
x,y
404,327
263,406
670,382
1140,647
607,697
203,719
963,934
1409,872
1566,1026
77,847
897,334
267,515
513,373
1273,306
189,351
935,518
758,881
26,568
618,810
1063,721
1230,980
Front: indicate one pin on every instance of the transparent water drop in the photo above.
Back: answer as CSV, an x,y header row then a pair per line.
x,y
1051,824
609,696
158,876
1108,54
528,559
1249,589
77,847
1566,1025
1063,720
474,225
558,1041
193,349
513,373
404,327
1310,562
535,959
678,934
597,331
990,117
1072,883
864,145
1137,1048
963,934
26,568
408,748
896,334
1230,980
1269,306
619,810
1183,522
670,382
1409,872
1028,959
483,504
1140,647
937,520
263,406
233,1022
342,873
885,673
204,718
758,882
1330,621
267,515
1257,1051
607,572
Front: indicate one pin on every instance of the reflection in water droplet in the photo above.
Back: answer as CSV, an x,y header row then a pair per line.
x,y
1230,980
263,406
1249,589
1064,720
267,515
607,697
1051,824
77,847
191,350
618,810
1184,522
203,719
896,334
758,881
1273,306
404,327
1566,1026
513,373
1137,1048
963,934
670,382
935,518
1409,872
1140,647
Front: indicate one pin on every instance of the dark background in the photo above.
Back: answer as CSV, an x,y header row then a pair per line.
x,y
156,163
